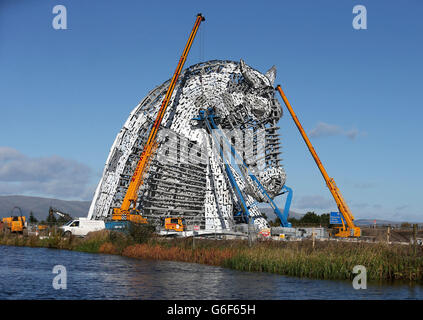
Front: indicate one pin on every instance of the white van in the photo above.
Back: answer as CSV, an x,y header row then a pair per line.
x,y
81,226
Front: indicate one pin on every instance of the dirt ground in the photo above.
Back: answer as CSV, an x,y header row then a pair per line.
x,y
396,234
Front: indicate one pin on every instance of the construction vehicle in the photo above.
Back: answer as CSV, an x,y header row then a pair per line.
x,y
63,215
208,116
174,224
128,211
42,227
81,227
347,229
15,223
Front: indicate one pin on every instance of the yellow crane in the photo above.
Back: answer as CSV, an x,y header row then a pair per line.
x,y
350,230
128,211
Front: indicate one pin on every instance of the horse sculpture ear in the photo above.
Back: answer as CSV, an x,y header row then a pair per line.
x,y
250,75
256,79
271,75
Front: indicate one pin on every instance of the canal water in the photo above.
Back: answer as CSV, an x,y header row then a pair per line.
x,y
27,273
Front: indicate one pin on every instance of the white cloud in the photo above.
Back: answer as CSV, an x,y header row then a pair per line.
x,y
402,207
364,185
44,176
316,202
325,130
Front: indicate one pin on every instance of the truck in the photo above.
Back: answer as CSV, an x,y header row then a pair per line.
x,y
81,227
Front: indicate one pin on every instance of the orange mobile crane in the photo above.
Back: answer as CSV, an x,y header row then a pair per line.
x,y
344,231
127,210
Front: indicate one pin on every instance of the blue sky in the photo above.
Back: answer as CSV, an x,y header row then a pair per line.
x,y
66,93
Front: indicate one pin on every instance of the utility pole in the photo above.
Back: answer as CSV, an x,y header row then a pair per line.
x,y
249,234
196,229
415,238
388,233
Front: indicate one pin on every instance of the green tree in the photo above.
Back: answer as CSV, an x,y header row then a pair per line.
x,y
324,219
51,219
294,221
32,219
275,223
310,217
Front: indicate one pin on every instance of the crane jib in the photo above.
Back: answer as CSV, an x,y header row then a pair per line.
x,y
149,148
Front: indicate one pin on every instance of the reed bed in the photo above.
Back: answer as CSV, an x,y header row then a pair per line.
x,y
210,256
332,260
325,260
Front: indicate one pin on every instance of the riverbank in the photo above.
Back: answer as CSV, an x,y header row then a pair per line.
x,y
326,260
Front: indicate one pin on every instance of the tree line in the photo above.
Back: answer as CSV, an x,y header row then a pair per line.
x,y
50,220
309,219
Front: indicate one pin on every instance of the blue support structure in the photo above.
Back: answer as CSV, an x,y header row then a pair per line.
x,y
211,125
287,203
283,217
208,118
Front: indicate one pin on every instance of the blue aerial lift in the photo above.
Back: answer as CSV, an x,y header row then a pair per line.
x,y
208,116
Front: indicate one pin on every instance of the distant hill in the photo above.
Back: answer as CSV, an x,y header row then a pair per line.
x,y
370,222
359,222
39,206
271,215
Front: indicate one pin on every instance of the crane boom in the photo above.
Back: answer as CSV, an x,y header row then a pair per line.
x,y
64,215
131,196
351,229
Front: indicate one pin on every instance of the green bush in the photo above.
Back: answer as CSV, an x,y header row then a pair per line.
x,y
120,240
141,233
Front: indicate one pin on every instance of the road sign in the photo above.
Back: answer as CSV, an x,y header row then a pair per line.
x,y
335,218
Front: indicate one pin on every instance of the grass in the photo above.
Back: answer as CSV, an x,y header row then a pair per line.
x,y
326,260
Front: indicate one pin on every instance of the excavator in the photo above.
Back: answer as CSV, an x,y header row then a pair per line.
x,y
348,228
15,223
128,211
